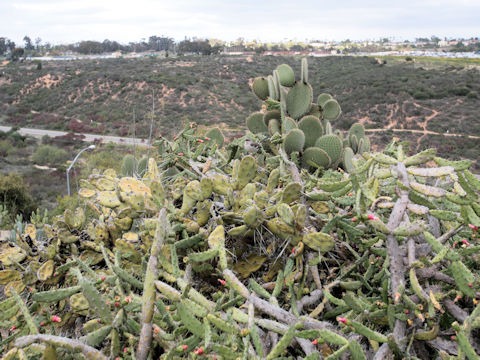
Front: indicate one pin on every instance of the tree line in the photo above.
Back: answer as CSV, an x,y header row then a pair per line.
x,y
154,43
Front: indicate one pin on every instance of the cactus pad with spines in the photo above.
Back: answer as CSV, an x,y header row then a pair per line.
x,y
274,126
312,128
299,99
260,88
294,141
316,156
315,111
142,166
348,159
272,90
290,124
331,110
358,130
323,98
128,165
256,124
287,77
216,135
332,145
272,114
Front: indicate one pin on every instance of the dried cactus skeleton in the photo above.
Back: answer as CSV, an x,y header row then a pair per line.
x,y
216,253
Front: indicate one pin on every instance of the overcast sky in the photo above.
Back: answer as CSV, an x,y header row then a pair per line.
x,y
65,21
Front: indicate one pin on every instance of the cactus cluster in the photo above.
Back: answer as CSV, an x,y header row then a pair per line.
x,y
304,126
215,253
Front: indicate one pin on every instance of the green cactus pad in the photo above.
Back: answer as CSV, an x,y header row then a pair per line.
x,y
358,130
276,82
315,110
317,156
128,165
319,241
272,88
327,127
291,193
273,114
304,70
256,124
247,171
323,98
312,128
142,166
274,126
299,100
348,160
353,142
260,88
294,141
331,110
287,77
361,145
366,145
332,145
216,135
339,133
289,124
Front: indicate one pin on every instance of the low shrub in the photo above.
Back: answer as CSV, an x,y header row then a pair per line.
x,y
49,155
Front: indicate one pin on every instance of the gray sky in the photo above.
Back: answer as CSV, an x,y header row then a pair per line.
x,y
62,21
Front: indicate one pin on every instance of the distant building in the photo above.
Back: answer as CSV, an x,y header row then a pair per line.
x,y
232,50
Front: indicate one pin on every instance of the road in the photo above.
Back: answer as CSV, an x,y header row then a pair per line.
x,y
39,133
423,132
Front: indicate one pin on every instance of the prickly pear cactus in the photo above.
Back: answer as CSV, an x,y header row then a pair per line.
x,y
289,106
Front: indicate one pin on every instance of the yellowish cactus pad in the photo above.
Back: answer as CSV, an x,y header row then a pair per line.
x,y
128,184
46,270
11,255
319,241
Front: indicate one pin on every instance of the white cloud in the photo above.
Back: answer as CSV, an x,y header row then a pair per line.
x,y
127,20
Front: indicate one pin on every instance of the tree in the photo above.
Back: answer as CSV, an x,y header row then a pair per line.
x,y
90,47
28,43
38,41
110,46
10,45
260,50
198,47
3,46
15,195
17,53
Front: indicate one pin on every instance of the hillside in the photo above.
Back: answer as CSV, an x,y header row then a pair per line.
x,y
103,96
305,245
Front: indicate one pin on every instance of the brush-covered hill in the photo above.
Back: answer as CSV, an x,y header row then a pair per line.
x,y
431,103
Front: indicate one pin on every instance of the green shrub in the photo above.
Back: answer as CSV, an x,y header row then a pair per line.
x,y
15,196
49,155
420,95
460,91
5,146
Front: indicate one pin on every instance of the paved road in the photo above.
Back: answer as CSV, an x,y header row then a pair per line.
x,y
424,132
39,133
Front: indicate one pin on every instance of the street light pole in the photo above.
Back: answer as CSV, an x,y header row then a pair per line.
x,y
91,147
